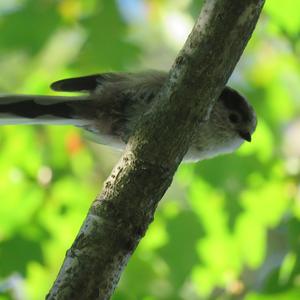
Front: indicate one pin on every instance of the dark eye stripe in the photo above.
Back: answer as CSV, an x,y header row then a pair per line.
x,y
235,102
234,118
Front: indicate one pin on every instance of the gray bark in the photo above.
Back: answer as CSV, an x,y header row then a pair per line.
x,y
120,215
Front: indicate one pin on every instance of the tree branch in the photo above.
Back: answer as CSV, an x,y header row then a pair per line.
x,y
120,215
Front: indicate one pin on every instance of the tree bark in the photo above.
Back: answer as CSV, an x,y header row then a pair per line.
x,y
120,215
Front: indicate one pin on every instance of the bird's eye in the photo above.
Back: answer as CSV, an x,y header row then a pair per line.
x,y
234,118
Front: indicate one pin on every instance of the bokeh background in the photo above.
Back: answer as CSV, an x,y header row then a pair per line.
x,y
229,228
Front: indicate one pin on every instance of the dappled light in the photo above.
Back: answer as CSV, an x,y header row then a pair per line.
x,y
228,228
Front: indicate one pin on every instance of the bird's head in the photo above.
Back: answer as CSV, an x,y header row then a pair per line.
x,y
232,121
238,115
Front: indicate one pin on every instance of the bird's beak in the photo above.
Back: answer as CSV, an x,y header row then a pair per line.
x,y
245,135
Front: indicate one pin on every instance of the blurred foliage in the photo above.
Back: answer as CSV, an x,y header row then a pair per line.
x,y
227,229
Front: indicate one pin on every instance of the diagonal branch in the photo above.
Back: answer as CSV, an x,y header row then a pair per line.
x,y
120,215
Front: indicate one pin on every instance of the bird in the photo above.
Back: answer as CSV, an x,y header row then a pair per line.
x,y
110,105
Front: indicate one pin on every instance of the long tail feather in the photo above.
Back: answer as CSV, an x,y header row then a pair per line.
x,y
26,109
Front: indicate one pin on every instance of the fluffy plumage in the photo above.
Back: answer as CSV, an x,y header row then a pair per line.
x,y
113,102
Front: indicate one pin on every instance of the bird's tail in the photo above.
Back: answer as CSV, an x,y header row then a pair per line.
x,y
26,109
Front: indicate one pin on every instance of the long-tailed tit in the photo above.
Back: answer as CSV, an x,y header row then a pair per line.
x,y
114,102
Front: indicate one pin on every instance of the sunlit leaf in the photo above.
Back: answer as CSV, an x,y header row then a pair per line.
x,y
285,15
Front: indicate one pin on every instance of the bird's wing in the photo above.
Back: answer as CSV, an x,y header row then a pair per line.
x,y
79,84
92,82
